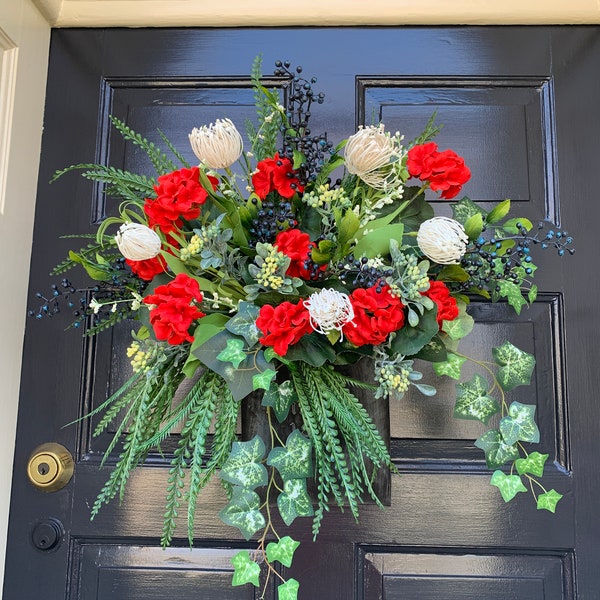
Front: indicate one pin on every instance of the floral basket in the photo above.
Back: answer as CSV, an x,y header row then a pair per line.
x,y
274,277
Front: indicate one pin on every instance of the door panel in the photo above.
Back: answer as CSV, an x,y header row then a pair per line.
x,y
520,104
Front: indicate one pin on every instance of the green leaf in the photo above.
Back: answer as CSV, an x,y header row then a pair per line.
x,y
434,351
450,367
516,366
509,485
348,225
519,424
410,340
294,460
245,569
283,550
233,352
464,209
280,398
532,294
243,512
511,225
243,467
453,273
94,271
244,323
534,464
472,401
294,501
313,349
512,292
498,212
262,381
377,242
288,590
548,501
497,452
461,326
474,226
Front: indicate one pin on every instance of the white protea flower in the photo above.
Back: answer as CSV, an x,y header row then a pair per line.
x,y
370,152
137,242
329,310
443,240
217,145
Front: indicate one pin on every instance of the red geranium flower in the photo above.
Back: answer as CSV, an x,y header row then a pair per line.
x,y
276,174
148,268
447,308
376,315
283,325
178,195
173,312
446,171
297,245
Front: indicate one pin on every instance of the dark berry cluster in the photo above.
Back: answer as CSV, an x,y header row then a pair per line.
x,y
271,218
61,294
358,273
295,131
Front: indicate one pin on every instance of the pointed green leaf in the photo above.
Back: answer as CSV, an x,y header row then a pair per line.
x,y
288,590
242,467
461,326
512,292
534,464
548,501
453,273
294,460
474,226
377,242
532,294
516,366
498,212
243,512
410,340
466,208
233,353
511,225
244,323
509,485
473,402
283,550
497,452
347,227
519,424
280,398
450,367
245,569
294,501
262,381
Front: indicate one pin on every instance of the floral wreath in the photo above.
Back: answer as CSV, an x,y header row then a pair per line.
x,y
267,280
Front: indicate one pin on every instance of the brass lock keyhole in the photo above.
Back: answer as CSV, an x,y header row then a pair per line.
x,y
50,467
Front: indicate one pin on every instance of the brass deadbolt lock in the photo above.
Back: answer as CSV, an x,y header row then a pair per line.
x,y
50,467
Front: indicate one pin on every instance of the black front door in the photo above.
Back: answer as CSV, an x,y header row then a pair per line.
x,y
520,104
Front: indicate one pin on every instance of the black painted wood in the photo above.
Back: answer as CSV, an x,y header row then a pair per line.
x,y
521,105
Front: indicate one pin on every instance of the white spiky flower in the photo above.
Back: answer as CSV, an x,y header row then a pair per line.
x,y
329,310
443,240
370,152
217,145
137,242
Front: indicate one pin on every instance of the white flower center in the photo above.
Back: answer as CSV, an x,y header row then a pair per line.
x,y
443,240
137,242
217,145
329,310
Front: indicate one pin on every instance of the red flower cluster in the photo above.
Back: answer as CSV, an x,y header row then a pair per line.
x,y
276,174
447,308
147,269
297,246
283,325
376,315
178,195
445,171
173,314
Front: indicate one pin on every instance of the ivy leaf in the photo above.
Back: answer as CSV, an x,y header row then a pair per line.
x,y
244,323
283,550
294,501
464,209
245,569
262,381
461,326
294,460
450,367
497,452
534,464
516,366
509,485
532,294
280,398
519,424
242,467
434,351
512,292
473,402
548,501
243,512
233,352
288,590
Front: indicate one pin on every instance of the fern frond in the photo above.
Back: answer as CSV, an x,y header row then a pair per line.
x,y
174,150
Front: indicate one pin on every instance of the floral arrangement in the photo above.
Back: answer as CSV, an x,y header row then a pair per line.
x,y
268,280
